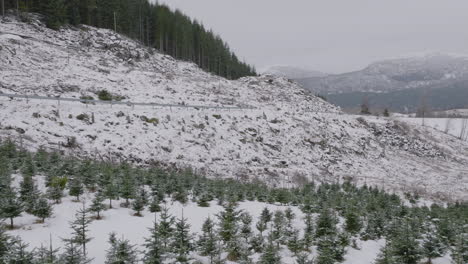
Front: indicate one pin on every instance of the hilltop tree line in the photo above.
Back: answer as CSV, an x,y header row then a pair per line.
x,y
333,217
154,25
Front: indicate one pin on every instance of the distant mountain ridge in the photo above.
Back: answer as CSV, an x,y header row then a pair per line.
x,y
399,84
291,72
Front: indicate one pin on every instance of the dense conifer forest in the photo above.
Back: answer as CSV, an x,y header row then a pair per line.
x,y
335,215
153,25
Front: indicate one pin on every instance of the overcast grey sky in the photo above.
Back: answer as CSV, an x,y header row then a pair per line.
x,y
332,35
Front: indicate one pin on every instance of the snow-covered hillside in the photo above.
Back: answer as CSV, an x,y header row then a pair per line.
x,y
457,127
289,136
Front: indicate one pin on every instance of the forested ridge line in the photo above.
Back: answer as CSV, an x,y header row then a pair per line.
x,y
154,25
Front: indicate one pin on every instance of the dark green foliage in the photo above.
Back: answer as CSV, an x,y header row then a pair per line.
x,y
228,222
80,227
10,205
76,187
18,253
352,223
55,11
42,209
203,201
414,233
386,113
326,224
182,243
404,244
153,247
154,205
73,254
332,247
270,254
207,240
165,229
460,247
46,255
138,206
246,226
432,246
121,252
104,95
266,215
308,231
97,205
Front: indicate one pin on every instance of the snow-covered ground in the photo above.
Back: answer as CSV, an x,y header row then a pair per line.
x,y
123,222
289,137
457,127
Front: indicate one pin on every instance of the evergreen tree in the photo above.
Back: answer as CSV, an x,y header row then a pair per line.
x,y
26,187
121,252
266,215
332,246
279,222
203,201
127,185
352,223
261,226
5,242
42,209
80,227
111,191
18,253
293,243
386,113
28,169
303,259
138,205
326,224
55,11
289,214
154,205
97,205
153,253
5,173
55,189
165,229
385,256
308,231
257,243
460,249
46,255
207,240
182,243
432,245
76,187
228,222
10,205
270,255
246,226
405,245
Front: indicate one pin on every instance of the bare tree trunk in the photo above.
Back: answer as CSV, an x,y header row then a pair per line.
x,y
115,22
447,125
463,129
3,7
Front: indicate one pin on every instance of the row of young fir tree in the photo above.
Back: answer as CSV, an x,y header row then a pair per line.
x,y
413,233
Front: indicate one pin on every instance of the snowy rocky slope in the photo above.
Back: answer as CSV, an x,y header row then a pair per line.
x,y
289,137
